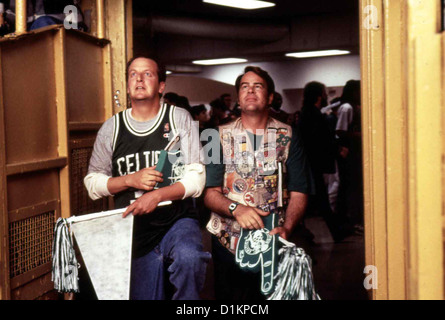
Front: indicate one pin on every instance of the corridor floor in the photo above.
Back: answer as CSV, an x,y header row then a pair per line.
x,y
337,267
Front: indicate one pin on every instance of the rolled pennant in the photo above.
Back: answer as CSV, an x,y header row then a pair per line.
x,y
170,163
172,166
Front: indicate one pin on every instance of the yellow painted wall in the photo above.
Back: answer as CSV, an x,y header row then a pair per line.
x,y
402,120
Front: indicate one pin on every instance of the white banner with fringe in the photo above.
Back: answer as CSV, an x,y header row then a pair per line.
x,y
105,241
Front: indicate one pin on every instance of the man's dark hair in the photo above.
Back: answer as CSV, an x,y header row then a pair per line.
x,y
351,93
259,72
218,104
183,102
172,97
196,110
162,75
312,91
277,101
224,95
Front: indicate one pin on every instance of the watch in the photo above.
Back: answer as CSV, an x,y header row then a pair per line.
x,y
233,207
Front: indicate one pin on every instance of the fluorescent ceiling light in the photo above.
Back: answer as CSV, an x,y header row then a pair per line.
x,y
322,53
242,4
168,72
219,61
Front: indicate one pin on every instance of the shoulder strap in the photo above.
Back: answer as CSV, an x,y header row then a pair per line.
x,y
172,119
116,128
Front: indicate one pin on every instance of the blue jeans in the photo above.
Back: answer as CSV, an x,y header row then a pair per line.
x,y
181,254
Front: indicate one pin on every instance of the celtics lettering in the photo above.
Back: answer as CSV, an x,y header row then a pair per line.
x,y
134,162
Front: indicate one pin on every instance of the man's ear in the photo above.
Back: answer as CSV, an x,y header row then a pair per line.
x,y
161,87
270,99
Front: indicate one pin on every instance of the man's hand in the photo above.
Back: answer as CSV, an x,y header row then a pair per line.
x,y
146,204
249,217
144,179
281,231
344,152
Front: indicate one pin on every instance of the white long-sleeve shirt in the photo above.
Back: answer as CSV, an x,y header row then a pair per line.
x,y
344,117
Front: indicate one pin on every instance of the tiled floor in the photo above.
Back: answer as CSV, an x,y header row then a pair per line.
x,y
337,267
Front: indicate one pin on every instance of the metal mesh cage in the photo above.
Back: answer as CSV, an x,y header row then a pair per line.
x,y
80,201
30,243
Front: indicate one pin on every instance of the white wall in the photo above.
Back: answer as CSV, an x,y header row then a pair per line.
x,y
332,71
198,90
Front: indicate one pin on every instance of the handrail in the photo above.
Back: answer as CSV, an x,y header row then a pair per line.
x,y
100,19
20,17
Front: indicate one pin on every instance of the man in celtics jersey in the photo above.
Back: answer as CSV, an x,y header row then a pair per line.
x,y
167,240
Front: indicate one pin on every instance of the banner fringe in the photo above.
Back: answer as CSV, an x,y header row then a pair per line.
x,y
294,280
64,264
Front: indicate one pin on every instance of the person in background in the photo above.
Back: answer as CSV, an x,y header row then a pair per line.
x,y
321,149
219,113
275,110
348,130
171,98
232,110
227,100
183,102
332,180
200,114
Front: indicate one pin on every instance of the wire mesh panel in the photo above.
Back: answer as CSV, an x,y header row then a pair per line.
x,y
30,243
80,201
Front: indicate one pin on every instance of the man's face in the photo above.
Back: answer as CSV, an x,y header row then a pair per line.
x,y
253,95
227,101
324,99
203,116
143,81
